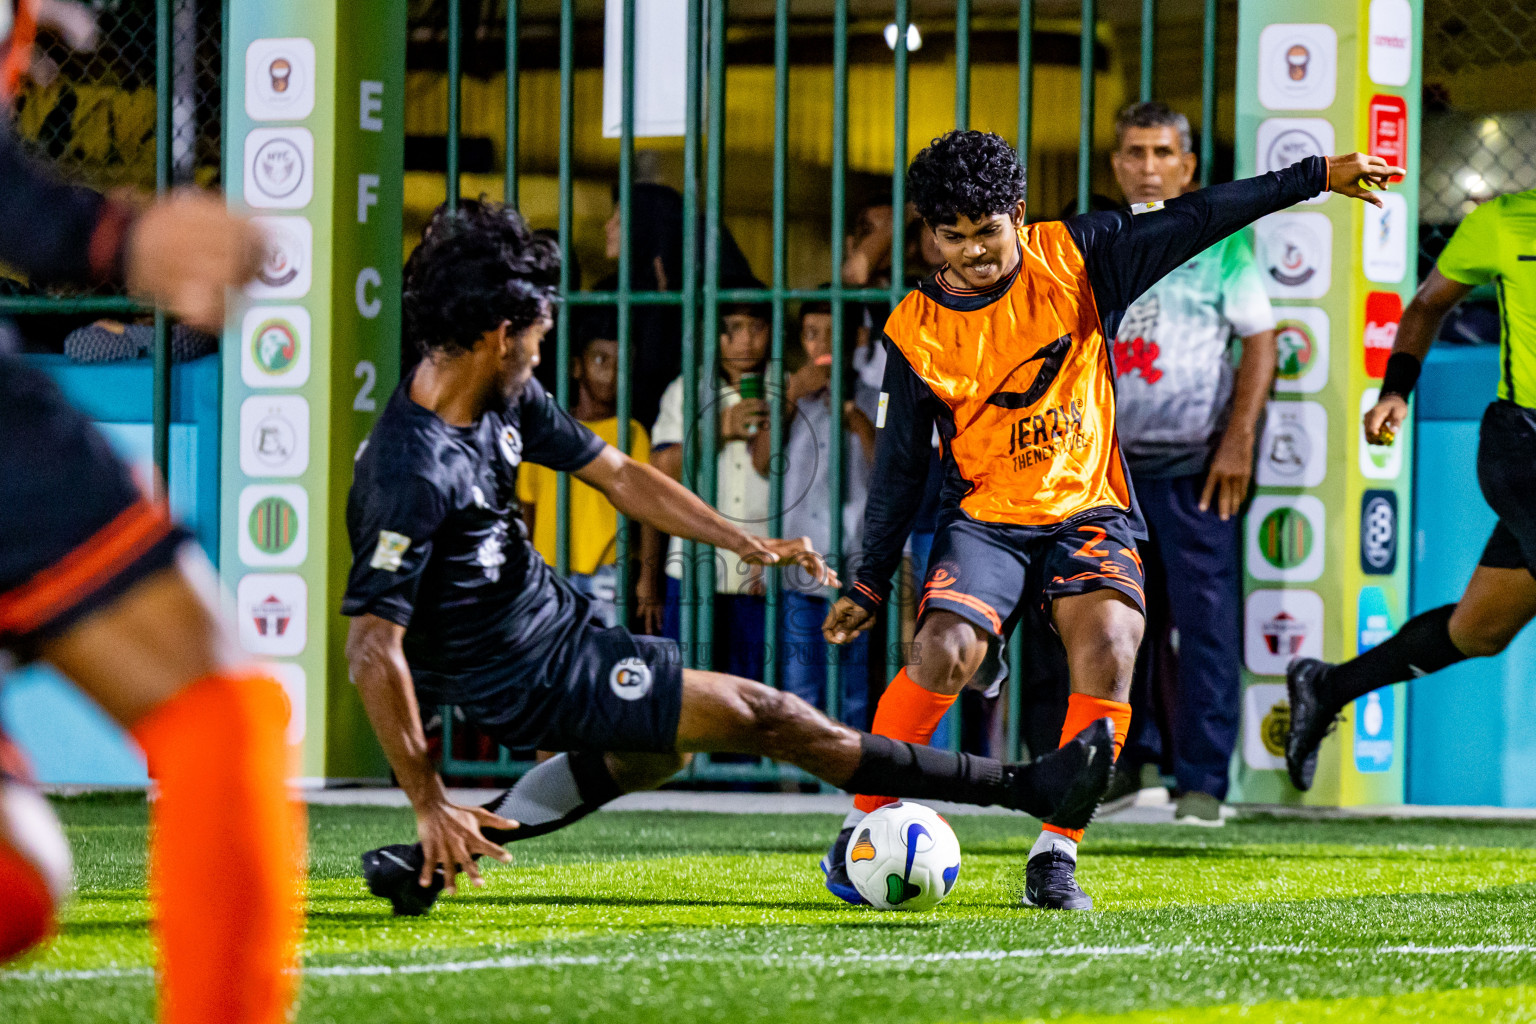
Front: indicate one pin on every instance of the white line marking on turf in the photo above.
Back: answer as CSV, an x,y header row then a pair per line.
x,y
502,963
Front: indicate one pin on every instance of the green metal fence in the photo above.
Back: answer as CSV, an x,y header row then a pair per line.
x,y
140,110
701,294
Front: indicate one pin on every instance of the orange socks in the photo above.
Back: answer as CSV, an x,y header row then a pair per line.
x,y
225,852
909,713
1083,711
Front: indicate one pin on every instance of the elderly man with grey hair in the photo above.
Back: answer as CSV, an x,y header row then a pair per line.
x,y
1188,423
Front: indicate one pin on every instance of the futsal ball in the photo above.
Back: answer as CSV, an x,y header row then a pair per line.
x,y
903,856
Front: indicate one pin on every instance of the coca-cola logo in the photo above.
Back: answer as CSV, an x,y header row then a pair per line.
x,y
1383,310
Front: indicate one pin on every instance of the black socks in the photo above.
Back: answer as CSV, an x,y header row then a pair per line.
x,y
890,767
1422,646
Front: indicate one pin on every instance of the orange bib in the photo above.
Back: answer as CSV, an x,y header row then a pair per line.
x,y
1027,379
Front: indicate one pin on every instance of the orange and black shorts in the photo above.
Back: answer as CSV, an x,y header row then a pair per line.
x,y
75,530
991,574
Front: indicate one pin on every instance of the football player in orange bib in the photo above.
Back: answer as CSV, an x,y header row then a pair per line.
x,y
1004,349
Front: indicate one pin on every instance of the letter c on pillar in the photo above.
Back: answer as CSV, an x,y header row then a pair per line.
x,y
368,307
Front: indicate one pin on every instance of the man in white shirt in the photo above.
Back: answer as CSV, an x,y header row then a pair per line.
x,y
1188,425
741,491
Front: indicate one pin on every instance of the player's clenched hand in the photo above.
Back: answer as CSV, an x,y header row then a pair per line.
x,y
1383,419
1355,174
798,550
846,620
451,840
185,250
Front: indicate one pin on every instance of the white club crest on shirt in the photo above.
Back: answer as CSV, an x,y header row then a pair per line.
x,y
490,554
511,445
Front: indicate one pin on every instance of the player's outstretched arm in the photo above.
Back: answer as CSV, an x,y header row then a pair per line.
x,y
1416,332
450,834
1128,252
645,493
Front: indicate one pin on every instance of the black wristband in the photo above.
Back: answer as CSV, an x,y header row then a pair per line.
x,y
1402,374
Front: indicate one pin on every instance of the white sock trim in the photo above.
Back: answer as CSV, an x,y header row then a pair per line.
x,y
1054,840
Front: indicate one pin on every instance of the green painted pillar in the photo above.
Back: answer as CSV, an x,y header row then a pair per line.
x,y
1325,542
314,149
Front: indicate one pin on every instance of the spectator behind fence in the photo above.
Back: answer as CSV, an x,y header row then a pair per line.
x,y
656,265
593,522
1188,426
733,393
808,420
867,264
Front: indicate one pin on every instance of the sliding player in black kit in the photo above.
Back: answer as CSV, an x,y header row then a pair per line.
x,y
452,605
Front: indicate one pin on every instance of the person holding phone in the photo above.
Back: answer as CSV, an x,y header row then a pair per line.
x,y
734,395
808,434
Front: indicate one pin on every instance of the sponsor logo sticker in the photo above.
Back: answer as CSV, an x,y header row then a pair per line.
x,y
1285,538
1266,720
275,353
1389,42
279,79
279,168
1373,731
1279,625
1378,533
1383,311
1388,136
273,613
390,551
274,435
1301,336
630,679
1298,66
273,525
1384,251
285,272
1375,618
1137,209
1282,141
1293,450
1295,254
1377,461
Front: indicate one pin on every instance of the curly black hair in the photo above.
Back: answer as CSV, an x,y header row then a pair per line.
x,y
476,267
970,174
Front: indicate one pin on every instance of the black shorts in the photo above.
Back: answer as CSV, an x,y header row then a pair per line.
x,y
75,530
613,692
1506,471
993,574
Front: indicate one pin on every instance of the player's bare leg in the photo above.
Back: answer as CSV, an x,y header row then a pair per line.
x,y
731,715
1101,631
1496,605
559,790
158,662
727,714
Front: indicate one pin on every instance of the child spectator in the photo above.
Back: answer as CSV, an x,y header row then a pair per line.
x,y
808,419
741,490
594,523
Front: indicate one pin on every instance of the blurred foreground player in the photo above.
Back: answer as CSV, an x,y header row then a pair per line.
x,y
1005,349
452,605
1496,243
97,581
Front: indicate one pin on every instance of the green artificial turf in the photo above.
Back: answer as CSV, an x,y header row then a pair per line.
x,y
704,917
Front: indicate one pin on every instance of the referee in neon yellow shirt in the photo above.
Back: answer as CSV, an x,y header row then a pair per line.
x,y
1496,243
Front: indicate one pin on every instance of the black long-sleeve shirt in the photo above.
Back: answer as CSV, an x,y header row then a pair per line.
x,y
52,230
1120,254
